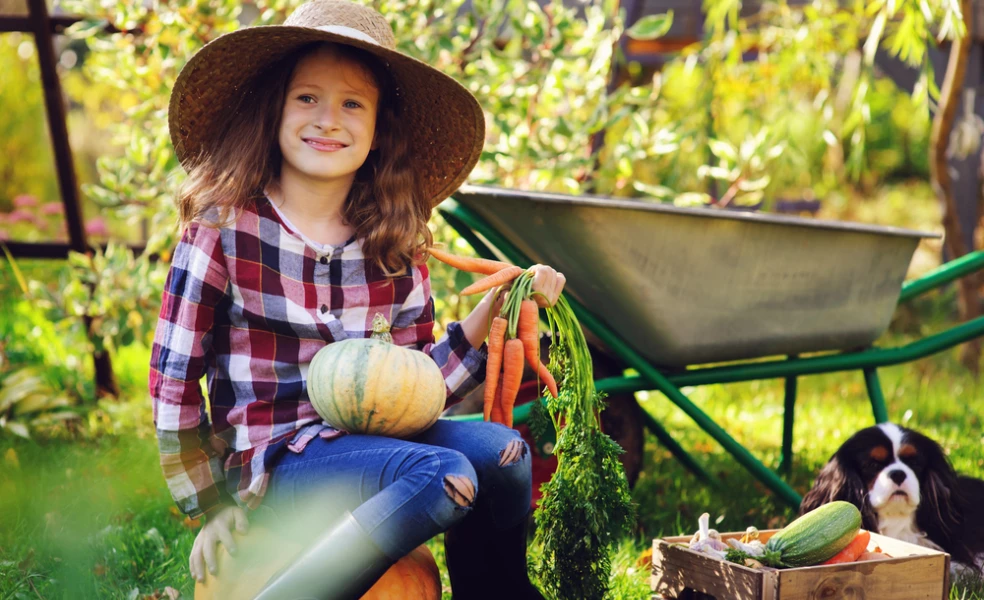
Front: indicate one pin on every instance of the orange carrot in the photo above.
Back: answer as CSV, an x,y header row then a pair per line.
x,y
465,263
527,330
493,367
504,276
512,376
496,414
853,551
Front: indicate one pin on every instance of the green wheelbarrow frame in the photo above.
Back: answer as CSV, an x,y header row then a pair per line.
x,y
476,231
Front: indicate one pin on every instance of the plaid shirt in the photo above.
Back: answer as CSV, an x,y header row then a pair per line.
x,y
248,305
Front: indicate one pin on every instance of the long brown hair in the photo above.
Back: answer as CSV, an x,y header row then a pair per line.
x,y
384,206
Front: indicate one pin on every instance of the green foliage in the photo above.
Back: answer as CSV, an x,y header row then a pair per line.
x,y
542,75
586,505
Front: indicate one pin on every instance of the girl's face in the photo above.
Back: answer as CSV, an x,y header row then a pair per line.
x,y
329,119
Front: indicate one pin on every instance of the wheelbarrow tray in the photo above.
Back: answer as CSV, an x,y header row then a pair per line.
x,y
687,286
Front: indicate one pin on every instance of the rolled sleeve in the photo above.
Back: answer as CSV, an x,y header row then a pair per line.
x,y
191,457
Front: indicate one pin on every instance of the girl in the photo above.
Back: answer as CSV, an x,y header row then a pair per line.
x,y
315,152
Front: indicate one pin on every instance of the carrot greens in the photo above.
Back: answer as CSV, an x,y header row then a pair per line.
x,y
586,505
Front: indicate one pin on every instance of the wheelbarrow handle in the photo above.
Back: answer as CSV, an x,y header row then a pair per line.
x,y
945,273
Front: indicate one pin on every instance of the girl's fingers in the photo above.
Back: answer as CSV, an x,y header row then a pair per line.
x,y
242,523
225,536
548,280
544,281
195,561
209,551
559,289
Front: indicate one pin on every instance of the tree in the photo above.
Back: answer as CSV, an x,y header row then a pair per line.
x,y
949,99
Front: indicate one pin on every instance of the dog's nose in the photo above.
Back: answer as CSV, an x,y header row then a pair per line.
x,y
897,475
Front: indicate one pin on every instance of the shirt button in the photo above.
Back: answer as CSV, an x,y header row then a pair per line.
x,y
324,260
324,308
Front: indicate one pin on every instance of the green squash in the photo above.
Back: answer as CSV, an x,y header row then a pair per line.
x,y
374,387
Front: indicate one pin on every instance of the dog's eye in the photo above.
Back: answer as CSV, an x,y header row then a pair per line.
x,y
915,461
879,454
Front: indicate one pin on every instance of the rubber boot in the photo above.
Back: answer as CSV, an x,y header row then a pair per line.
x,y
342,564
484,562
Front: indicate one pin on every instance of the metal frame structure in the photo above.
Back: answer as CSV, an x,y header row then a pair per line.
x,y
483,237
44,27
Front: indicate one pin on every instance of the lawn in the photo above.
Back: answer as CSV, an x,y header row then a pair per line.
x,y
91,518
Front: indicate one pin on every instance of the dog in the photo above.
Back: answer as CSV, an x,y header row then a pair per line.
x,y
905,488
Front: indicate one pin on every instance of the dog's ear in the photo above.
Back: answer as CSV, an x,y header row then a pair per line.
x,y
837,482
940,510
940,506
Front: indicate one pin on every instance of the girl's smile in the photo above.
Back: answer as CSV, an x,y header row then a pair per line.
x,y
325,144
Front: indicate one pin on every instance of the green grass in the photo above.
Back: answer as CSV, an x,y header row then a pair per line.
x,y
91,518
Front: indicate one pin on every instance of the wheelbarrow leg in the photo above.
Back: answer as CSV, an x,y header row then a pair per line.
x,y
875,394
741,454
788,416
667,441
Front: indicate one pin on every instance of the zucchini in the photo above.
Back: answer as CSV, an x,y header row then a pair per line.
x,y
814,537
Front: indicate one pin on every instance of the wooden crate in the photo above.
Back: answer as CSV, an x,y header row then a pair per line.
x,y
913,573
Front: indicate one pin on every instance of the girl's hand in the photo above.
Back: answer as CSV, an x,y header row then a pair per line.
x,y
548,282
217,528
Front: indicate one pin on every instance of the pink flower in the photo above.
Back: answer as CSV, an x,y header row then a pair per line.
x,y
4,236
96,226
20,215
52,208
25,201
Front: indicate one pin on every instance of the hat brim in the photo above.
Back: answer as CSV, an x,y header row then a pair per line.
x,y
444,119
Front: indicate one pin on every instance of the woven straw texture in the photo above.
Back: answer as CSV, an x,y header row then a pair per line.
x,y
443,119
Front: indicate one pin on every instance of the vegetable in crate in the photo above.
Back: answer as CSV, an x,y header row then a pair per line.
x,y
375,387
815,537
853,551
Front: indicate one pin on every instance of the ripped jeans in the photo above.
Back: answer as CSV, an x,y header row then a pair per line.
x,y
404,492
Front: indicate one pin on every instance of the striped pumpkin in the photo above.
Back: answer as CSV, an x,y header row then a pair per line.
x,y
374,387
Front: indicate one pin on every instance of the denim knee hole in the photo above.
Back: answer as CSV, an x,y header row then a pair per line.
x,y
460,489
513,453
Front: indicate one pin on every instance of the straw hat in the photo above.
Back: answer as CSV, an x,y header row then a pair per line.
x,y
446,120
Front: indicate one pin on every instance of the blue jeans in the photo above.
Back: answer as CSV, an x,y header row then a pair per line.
x,y
399,490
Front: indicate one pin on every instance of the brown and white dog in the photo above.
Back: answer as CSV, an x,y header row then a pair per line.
x,y
906,489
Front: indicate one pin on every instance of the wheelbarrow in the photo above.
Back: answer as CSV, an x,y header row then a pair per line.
x,y
698,296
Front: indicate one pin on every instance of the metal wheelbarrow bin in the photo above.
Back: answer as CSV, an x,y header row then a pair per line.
x,y
685,288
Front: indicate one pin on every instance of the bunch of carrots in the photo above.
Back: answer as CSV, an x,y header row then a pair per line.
x,y
586,506
513,333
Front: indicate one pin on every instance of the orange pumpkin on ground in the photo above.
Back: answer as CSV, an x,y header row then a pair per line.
x,y
263,553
